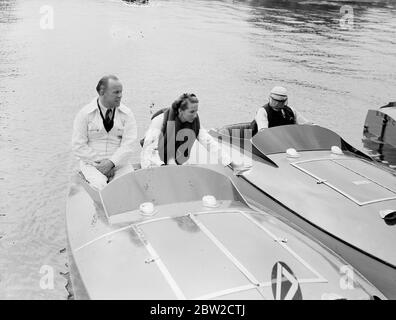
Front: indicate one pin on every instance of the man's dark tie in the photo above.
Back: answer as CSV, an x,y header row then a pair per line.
x,y
108,120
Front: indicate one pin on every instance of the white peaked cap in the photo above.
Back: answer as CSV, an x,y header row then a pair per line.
x,y
281,92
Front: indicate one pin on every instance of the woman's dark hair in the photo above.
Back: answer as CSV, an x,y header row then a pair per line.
x,y
183,100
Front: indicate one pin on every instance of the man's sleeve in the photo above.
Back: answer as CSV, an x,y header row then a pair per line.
x,y
299,118
150,156
261,119
212,146
80,139
129,137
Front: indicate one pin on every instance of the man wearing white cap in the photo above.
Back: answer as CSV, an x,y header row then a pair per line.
x,y
276,112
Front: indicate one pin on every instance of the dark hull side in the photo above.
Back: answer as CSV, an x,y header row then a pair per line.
x,y
379,136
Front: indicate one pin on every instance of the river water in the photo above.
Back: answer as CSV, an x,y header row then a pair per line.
x,y
230,53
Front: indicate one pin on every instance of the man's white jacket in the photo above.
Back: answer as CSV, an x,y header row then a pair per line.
x,y
91,142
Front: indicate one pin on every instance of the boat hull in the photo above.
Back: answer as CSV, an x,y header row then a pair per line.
x,y
380,274
187,250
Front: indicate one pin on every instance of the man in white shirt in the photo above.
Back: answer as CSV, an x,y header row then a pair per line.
x,y
276,112
172,133
104,132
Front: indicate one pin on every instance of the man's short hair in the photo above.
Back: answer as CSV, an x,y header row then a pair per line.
x,y
104,82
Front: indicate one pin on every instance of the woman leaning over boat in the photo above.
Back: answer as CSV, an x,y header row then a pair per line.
x,y
172,133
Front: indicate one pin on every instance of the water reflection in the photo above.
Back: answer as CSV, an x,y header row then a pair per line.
x,y
137,2
7,14
186,223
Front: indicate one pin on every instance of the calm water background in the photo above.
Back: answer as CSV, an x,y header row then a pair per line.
x,y
230,53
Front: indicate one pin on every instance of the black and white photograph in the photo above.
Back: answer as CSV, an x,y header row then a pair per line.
x,y
208,151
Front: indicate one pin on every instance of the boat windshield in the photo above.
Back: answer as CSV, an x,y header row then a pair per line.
x,y
166,185
300,137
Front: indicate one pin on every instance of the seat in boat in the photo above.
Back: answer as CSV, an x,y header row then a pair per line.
x,y
238,130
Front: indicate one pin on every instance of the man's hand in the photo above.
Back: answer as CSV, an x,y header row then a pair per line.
x,y
104,166
110,174
239,166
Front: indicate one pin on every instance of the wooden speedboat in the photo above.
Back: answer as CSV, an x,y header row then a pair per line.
x,y
186,232
313,178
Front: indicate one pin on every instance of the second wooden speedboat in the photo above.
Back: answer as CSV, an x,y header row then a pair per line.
x,y
312,177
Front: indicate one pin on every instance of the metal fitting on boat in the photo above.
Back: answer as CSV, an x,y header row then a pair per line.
x,y
147,208
336,150
209,201
388,214
292,153
284,240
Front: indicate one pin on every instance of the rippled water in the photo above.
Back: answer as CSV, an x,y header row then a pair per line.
x,y
230,53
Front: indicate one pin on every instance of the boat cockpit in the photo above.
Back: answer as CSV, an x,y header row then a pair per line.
x,y
162,187
282,138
